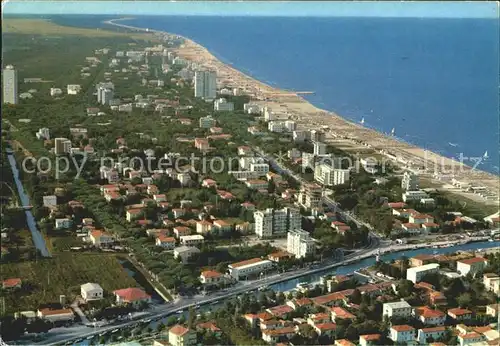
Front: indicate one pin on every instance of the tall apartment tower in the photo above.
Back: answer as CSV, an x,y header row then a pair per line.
x,y
205,84
410,181
9,85
276,222
300,243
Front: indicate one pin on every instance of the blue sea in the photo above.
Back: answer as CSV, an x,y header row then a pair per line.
x,y
435,81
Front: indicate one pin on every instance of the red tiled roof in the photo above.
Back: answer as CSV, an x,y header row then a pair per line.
x,y
459,312
208,325
472,335
264,316
428,312
210,274
472,260
164,239
326,326
244,263
132,294
433,329
178,330
403,328
341,313
280,310
13,282
370,337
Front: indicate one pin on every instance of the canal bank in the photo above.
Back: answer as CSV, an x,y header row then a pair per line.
x,y
217,301
36,235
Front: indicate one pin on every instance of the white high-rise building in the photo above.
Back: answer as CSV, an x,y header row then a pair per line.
x,y
409,182
300,243
221,105
328,175
319,148
272,223
290,125
9,86
205,84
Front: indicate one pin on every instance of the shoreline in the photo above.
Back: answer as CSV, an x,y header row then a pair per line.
x,y
341,132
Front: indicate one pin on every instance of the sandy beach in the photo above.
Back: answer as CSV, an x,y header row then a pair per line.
x,y
352,137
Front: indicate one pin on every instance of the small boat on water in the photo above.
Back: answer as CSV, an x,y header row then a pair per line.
x,y
393,131
434,252
362,121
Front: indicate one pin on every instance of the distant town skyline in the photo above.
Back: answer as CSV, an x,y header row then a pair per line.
x,y
423,9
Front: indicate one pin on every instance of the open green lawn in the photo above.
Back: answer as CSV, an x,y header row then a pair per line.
x,y
45,27
46,279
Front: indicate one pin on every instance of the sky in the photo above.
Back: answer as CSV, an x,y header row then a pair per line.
x,y
458,9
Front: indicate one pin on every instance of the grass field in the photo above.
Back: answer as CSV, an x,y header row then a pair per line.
x,y
47,28
45,280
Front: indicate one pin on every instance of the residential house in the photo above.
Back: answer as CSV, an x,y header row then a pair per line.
x,y
133,296
178,212
420,218
402,334
416,274
333,299
343,342
210,326
471,265
91,291
12,283
99,238
179,335
211,277
470,338
222,226
50,201
64,223
209,183
279,334
165,242
160,198
460,314
256,184
280,256
429,316
340,313
492,310
280,311
201,144
297,303
325,329
433,333
185,252
133,214
369,339
397,309
181,231
421,260
492,282
254,266
203,227
192,240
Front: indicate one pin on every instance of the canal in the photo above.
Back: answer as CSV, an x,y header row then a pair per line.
x,y
314,278
36,235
